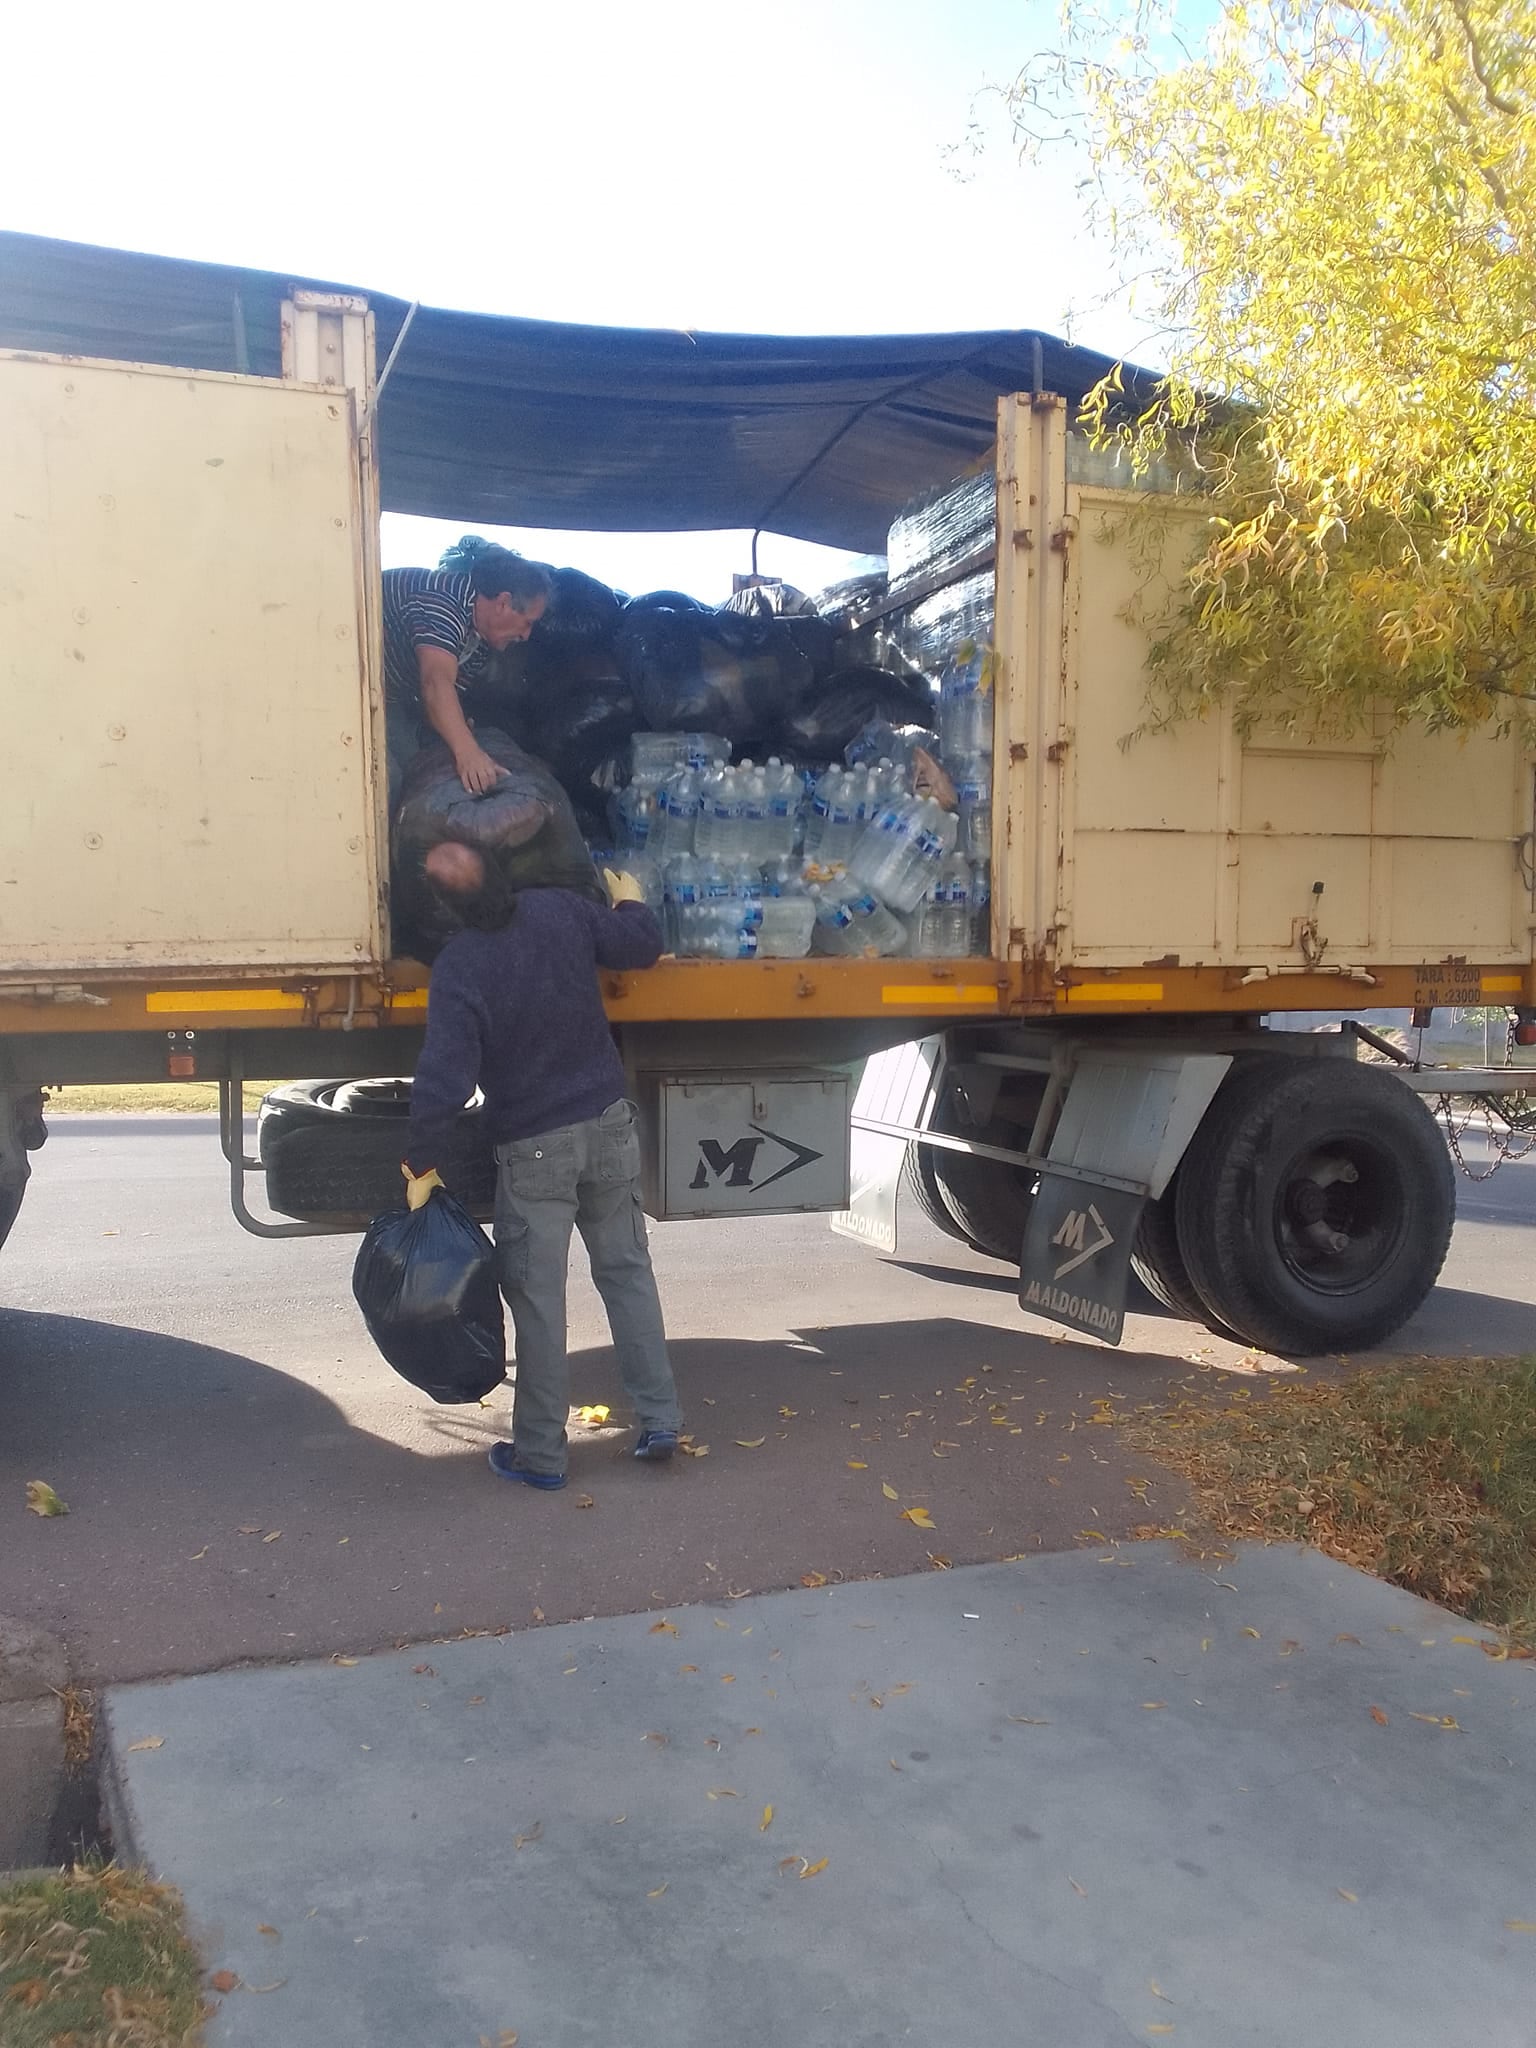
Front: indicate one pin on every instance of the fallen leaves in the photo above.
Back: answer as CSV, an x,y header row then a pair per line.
x,y
750,1443
42,1500
813,1869
1352,1897
224,1980
198,1556
1380,1717
534,1834
665,1628
422,1671
888,1490
593,1416
693,1450
657,1893
271,1535
721,1792
1081,1890
1153,1706
813,1579
270,1932
766,1822
147,1742
655,1735
505,2039
1439,1721
856,1464
1254,1633
919,1518
1521,1926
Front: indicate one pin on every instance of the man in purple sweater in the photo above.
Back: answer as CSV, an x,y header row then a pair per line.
x,y
514,1009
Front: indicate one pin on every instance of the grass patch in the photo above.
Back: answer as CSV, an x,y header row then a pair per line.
x,y
140,1098
96,1958
1424,1474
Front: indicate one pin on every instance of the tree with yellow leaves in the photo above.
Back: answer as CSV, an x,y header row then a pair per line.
x,y
1332,208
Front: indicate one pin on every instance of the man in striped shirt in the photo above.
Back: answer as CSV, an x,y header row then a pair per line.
x,y
441,628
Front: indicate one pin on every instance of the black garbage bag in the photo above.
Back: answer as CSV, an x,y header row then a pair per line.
x,y
663,601
582,712
525,827
425,1280
834,713
466,549
581,611
713,671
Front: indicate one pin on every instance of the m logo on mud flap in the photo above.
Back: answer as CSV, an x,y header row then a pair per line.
x,y
1083,1234
735,1166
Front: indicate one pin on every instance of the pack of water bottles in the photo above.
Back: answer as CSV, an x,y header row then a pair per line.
x,y
765,860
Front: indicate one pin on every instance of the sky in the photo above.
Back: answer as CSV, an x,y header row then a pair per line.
x,y
785,168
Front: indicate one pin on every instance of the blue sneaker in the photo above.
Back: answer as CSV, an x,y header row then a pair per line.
x,y
503,1462
655,1446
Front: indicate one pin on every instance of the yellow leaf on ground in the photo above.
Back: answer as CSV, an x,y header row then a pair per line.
x,y
349,1663
534,1834
1521,1926
1160,2027
894,1692
813,1578
1158,1991
198,1556
1351,1896
856,1464
815,1869
766,1822
593,1416
655,1735
271,1932
42,1500
888,1490
919,1518
148,1742
751,1443
1205,1642
728,1678
1254,1633
682,1668
1379,1717
664,1628
271,1535
1092,1536
721,1792
694,1450
657,1893
1152,1705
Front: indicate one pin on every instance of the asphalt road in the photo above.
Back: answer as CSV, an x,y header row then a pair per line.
x,y
246,1479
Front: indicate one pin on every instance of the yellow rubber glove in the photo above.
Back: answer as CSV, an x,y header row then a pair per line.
x,y
419,1186
622,888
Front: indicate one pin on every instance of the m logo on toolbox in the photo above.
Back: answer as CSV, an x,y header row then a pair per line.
x,y
735,1166
1077,1254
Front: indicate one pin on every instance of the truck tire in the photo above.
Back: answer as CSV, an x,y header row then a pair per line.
x,y
988,1199
10,1204
1158,1263
1314,1205
918,1181
332,1149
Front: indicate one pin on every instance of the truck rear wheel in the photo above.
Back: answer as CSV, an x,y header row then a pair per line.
x,y
919,1181
1158,1263
331,1151
988,1199
1314,1205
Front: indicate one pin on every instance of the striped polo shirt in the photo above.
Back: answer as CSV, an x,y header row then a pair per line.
x,y
428,608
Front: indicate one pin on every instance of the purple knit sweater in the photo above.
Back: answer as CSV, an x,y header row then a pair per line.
x,y
517,1013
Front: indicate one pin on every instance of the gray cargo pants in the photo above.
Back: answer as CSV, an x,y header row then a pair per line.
x,y
587,1174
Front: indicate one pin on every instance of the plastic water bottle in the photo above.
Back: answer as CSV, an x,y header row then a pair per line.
x,y
637,807
754,816
832,919
981,907
674,827
975,820
783,790
747,895
647,873
785,930
681,903
954,891
965,705
705,830
874,932
927,924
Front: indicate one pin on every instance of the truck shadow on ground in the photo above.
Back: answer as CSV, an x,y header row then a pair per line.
x,y
223,1510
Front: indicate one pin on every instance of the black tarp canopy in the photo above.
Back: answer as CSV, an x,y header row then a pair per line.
x,y
535,423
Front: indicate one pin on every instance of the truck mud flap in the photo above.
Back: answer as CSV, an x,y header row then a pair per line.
x,y
1125,1122
895,1087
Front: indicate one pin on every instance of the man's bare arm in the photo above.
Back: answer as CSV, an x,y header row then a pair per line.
x,y
444,713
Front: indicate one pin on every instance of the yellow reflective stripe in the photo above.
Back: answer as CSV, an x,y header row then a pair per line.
x,y
935,993
181,1002
1115,992
408,999
1502,984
